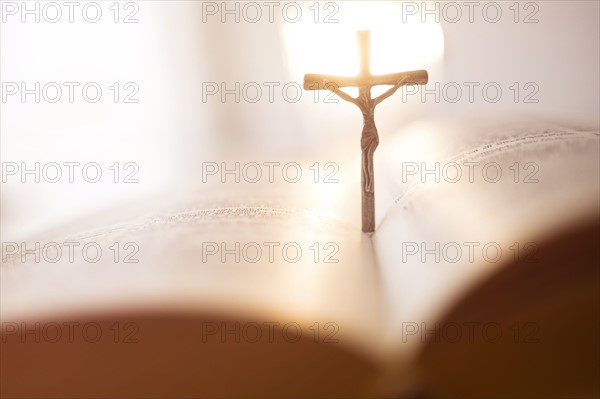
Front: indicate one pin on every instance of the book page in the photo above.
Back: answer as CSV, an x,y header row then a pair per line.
x,y
276,250
462,199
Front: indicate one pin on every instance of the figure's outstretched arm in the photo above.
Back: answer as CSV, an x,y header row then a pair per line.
x,y
388,93
343,95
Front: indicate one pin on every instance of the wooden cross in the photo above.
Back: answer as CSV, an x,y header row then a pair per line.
x,y
369,139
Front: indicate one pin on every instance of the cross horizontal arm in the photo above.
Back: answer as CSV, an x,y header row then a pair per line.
x,y
419,77
325,82
313,81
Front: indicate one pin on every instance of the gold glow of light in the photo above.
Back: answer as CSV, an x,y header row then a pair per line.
x,y
331,48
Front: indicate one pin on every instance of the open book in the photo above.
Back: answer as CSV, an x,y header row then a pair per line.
x,y
482,273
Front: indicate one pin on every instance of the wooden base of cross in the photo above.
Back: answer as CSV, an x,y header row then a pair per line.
x,y
369,138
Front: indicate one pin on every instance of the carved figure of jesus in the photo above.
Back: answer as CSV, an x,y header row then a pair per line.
x,y
369,138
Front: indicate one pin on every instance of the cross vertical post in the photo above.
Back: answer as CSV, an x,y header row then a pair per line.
x,y
369,138
364,51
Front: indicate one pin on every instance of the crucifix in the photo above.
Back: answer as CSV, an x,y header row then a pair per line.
x,y
369,139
